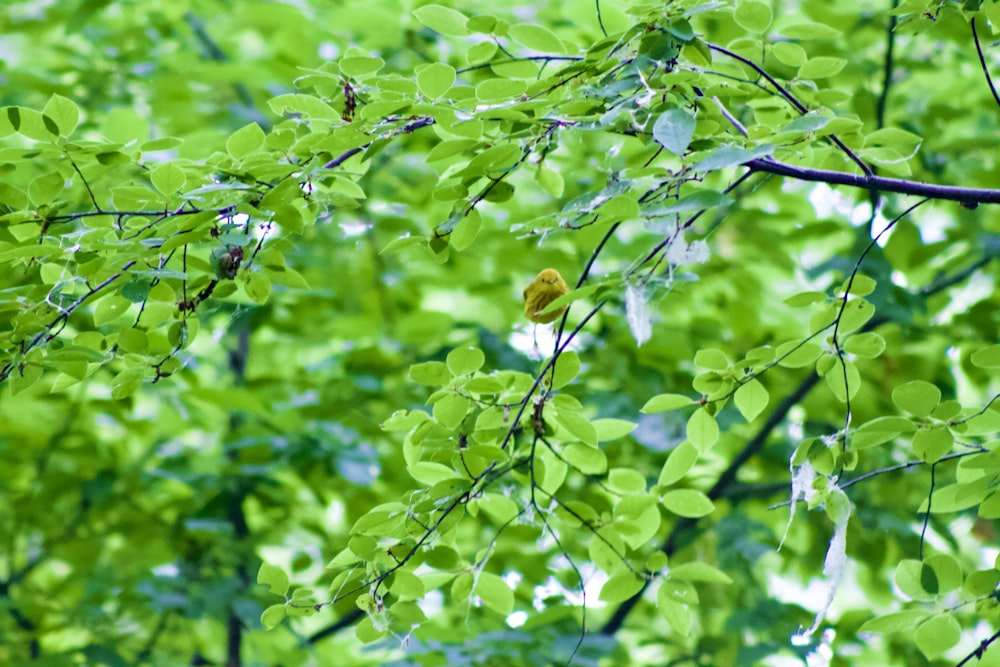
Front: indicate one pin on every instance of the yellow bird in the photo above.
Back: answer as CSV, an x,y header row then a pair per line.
x,y
547,286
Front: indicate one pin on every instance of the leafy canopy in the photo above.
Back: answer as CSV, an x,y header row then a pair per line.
x,y
266,389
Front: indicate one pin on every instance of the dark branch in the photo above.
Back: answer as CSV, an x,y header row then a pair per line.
x,y
968,196
346,621
801,108
978,652
887,69
982,62
412,126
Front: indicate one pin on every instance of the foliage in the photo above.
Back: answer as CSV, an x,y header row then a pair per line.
x,y
267,394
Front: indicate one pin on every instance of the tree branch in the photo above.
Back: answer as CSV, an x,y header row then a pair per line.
x,y
968,196
801,108
345,621
718,490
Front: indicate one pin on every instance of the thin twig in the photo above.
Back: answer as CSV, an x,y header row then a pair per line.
x,y
801,108
927,514
718,489
888,67
730,117
658,248
546,59
412,126
982,62
839,350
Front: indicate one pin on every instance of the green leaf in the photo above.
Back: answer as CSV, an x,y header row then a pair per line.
x,y
856,313
32,124
730,156
308,106
588,460
931,444
679,462
450,148
403,420
899,621
360,66
63,112
753,16
612,429
866,345
444,20
126,383
483,385
480,53
271,617
168,178
626,481
674,130
258,286
435,80
133,340
551,181
536,37
947,571
821,67
906,143
988,357
495,593
789,54
566,369
751,399
677,614
45,188
578,426
451,410
464,360
405,584
620,587
937,635
245,140
990,507
433,373
982,582
859,285
689,503
805,125
702,430
699,571
499,507
429,473
696,201
843,378
810,30
665,402
794,354
495,90
918,397
136,290
713,360
367,632
911,578
274,578
880,430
